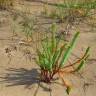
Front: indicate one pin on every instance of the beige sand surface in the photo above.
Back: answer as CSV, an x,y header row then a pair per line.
x,y
17,72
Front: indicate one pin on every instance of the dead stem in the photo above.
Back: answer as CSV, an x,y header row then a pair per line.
x,y
62,78
76,61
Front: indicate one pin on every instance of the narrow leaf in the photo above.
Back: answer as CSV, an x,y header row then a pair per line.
x,y
69,50
80,65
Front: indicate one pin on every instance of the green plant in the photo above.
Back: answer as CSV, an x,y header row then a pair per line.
x,y
53,56
14,25
73,8
76,4
28,27
56,13
77,8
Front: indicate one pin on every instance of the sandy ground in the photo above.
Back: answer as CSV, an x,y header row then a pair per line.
x,y
17,71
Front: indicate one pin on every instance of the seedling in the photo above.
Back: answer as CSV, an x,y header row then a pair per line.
x,y
68,9
14,25
52,58
28,27
78,5
81,8
56,13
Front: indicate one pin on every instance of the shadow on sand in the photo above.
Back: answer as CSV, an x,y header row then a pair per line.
x,y
17,77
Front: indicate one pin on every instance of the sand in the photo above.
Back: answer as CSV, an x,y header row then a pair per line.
x,y
18,69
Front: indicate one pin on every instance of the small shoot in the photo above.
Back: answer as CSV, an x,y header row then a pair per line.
x,y
52,58
28,27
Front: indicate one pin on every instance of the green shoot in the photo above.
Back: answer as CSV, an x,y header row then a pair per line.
x,y
52,58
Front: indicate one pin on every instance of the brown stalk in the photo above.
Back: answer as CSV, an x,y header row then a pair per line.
x,y
61,76
76,62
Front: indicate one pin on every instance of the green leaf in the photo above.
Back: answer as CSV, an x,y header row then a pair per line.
x,y
87,5
69,50
55,57
87,51
40,58
59,54
80,65
53,42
